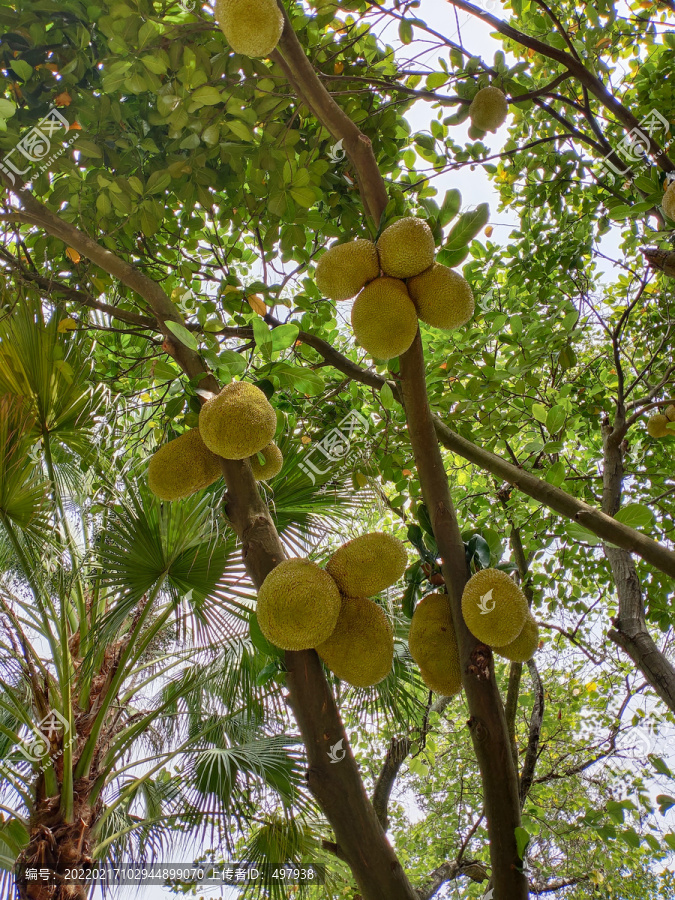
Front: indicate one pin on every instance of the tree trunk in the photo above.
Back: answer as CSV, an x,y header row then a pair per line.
x,y
630,627
488,721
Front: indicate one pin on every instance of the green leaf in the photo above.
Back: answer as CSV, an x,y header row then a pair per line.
x,y
467,227
556,474
665,802
522,840
284,336
631,837
555,419
670,840
635,515
540,412
233,361
22,69
386,396
405,31
7,108
184,336
450,207
660,765
206,95
579,533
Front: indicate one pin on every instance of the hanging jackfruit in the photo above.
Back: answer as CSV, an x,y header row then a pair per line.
x,y
668,202
274,460
657,426
433,645
489,109
345,268
525,645
182,466
494,607
360,650
384,318
406,248
252,27
239,422
368,564
443,298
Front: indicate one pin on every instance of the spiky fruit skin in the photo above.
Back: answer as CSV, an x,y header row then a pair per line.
x,y
298,605
433,645
384,318
406,248
345,268
238,422
252,27
182,466
274,460
668,202
670,413
360,650
443,298
657,426
525,645
368,564
489,109
495,619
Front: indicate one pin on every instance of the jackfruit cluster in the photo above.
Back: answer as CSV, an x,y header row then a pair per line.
x,y
182,466
488,109
360,650
662,424
298,605
433,645
494,607
525,645
252,27
302,606
274,460
368,564
668,202
395,283
238,422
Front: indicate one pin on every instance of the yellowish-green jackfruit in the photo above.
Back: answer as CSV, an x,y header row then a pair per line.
x,y
443,297
657,426
238,422
368,564
298,605
668,202
475,133
384,318
489,109
525,645
494,607
360,650
670,412
344,269
433,645
252,27
182,466
274,460
406,248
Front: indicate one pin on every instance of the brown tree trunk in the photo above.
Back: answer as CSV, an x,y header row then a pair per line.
x,y
487,724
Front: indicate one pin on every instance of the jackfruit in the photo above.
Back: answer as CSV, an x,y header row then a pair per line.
x,y
525,645
433,645
670,412
274,460
668,202
475,133
298,605
182,466
384,318
489,109
252,27
406,248
368,564
657,426
344,269
238,422
361,649
442,297
494,607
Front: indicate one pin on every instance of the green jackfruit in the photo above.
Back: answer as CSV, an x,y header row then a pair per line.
x,y
657,426
274,460
668,202
406,248
298,605
238,422
433,645
525,645
494,607
489,109
670,413
345,268
442,297
360,650
384,318
476,134
252,27
182,466
368,564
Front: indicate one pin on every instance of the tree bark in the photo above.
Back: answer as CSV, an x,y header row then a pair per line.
x,y
488,721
